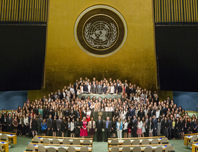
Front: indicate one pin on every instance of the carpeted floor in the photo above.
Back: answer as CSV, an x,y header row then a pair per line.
x,y
97,146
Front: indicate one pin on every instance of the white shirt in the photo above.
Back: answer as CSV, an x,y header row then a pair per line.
x,y
72,126
72,90
140,124
89,88
125,125
26,120
111,89
108,109
157,113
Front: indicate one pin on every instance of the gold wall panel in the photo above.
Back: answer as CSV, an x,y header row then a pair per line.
x,y
65,61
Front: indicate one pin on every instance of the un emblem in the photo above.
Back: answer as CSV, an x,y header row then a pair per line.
x,y
100,30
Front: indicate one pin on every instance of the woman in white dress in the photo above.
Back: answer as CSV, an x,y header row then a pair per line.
x,y
122,115
143,126
139,127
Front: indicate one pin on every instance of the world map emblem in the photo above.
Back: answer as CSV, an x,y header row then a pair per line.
x,y
100,30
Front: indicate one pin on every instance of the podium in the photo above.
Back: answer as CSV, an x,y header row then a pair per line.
x,y
103,114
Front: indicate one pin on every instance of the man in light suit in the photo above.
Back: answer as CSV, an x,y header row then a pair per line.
x,y
93,88
108,127
154,126
99,88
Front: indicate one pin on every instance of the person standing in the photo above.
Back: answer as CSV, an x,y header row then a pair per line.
x,y
15,124
143,127
139,127
9,123
113,130
125,128
54,126
49,125
159,127
63,126
77,126
72,128
92,126
99,126
134,126
169,128
154,126
119,128
58,126
39,121
43,127
108,127
83,131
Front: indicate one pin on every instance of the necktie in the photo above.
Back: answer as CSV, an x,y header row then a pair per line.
x,y
107,124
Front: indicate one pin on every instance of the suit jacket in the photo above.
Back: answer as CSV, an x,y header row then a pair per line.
x,y
58,124
99,126
155,123
49,123
9,120
93,89
104,89
109,125
99,89
134,123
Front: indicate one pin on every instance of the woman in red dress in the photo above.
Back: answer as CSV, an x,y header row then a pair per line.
x,y
84,126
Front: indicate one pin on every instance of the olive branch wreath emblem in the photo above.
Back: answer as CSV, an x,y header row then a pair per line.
x,y
91,41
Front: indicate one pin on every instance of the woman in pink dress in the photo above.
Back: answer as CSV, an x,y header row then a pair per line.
x,y
84,125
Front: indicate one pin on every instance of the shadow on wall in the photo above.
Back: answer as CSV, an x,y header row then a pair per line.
x,y
10,100
187,100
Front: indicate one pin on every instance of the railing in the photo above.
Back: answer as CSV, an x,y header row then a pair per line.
x,y
175,11
23,11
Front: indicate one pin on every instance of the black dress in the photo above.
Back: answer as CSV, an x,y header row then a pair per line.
x,y
64,126
77,129
34,125
54,126
114,127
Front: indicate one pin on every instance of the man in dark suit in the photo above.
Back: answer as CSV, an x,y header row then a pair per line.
x,y
154,126
134,126
9,123
93,88
49,125
99,126
147,125
58,124
108,127
163,126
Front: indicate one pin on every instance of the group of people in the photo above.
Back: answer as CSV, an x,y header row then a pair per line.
x,y
137,113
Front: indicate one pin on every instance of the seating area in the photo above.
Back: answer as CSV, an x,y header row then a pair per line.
x,y
62,140
147,144
43,147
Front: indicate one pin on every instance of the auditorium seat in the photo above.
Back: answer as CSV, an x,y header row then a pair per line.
x,y
61,149
41,148
114,149
83,149
66,141
56,141
158,149
114,142
127,142
36,140
86,142
148,149
30,147
126,149
136,142
76,141
145,142
46,141
136,149
71,149
51,149
154,141
168,148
